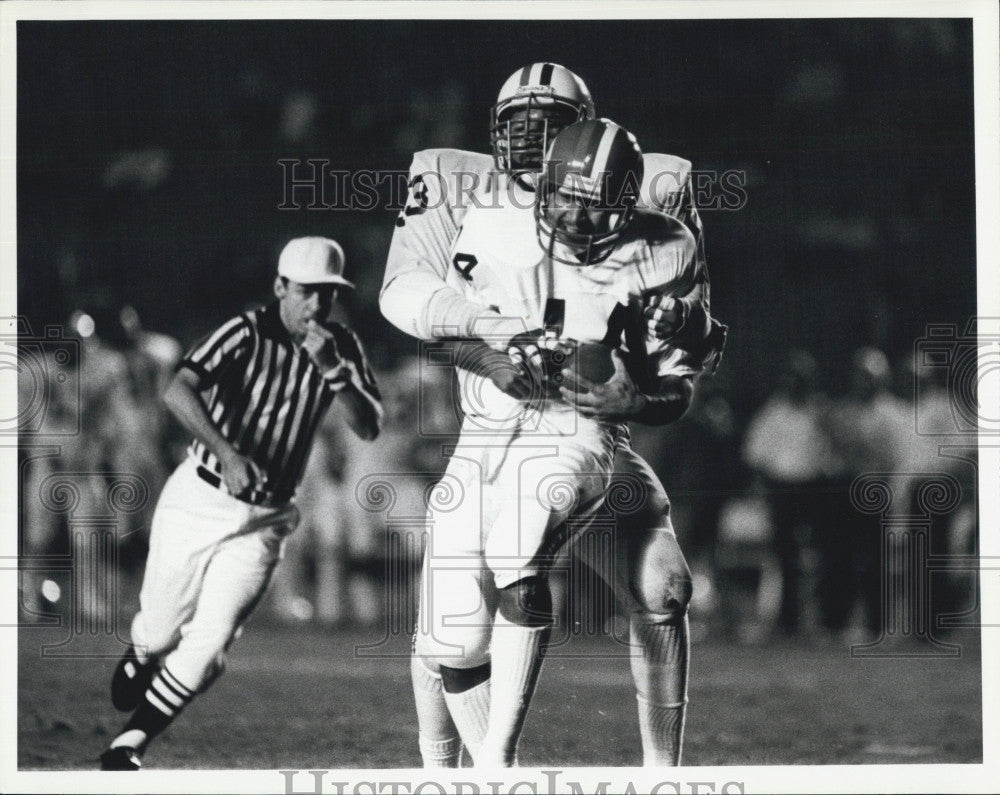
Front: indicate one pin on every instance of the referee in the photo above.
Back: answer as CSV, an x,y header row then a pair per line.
x,y
252,394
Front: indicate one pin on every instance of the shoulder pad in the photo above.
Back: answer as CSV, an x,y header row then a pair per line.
x,y
664,177
447,173
657,228
446,161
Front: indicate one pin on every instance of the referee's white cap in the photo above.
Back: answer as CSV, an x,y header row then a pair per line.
x,y
313,260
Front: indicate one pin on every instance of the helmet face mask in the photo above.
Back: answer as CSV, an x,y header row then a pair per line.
x,y
584,226
533,105
521,133
587,192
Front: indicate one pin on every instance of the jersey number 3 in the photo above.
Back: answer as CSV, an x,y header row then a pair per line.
x,y
418,197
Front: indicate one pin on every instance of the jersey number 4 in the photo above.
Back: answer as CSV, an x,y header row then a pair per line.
x,y
464,263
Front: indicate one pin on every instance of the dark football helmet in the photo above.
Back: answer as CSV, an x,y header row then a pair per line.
x,y
587,191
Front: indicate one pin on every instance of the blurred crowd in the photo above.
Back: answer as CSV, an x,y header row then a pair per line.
x,y
762,500
777,511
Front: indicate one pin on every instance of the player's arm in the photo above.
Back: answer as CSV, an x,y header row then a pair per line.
x,y
415,295
685,319
679,326
417,263
667,188
479,358
619,399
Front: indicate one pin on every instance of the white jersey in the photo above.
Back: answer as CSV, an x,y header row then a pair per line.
x,y
498,263
444,184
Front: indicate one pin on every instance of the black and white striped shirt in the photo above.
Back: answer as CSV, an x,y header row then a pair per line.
x,y
266,396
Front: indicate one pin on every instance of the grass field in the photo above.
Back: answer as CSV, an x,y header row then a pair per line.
x,y
299,698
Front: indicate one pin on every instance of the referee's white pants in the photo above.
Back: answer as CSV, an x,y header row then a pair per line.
x,y
211,557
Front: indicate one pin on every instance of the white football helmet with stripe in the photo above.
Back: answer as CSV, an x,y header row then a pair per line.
x,y
533,105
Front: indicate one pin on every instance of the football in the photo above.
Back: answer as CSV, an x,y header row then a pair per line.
x,y
591,361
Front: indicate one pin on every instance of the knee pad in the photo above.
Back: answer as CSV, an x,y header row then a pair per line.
x,y
453,646
661,580
527,602
667,603
458,680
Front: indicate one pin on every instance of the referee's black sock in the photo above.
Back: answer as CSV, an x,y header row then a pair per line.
x,y
162,702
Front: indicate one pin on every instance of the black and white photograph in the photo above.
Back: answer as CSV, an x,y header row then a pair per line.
x,y
497,398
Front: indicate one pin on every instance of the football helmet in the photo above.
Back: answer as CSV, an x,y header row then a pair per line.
x,y
533,105
587,191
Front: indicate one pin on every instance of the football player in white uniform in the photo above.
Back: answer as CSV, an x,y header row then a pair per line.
x,y
534,104
570,269
650,575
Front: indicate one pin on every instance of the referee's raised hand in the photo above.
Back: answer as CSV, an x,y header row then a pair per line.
x,y
321,346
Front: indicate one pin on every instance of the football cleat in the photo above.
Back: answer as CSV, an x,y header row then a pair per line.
x,y
121,758
129,681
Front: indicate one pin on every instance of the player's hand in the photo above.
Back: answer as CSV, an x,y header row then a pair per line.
x,y
321,347
665,315
525,350
615,400
508,374
240,474
540,354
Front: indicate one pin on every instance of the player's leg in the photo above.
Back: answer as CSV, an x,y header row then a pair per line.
x,y
450,664
454,648
652,581
659,634
437,735
521,632
545,491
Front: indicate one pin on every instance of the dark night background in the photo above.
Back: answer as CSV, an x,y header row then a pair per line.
x,y
147,160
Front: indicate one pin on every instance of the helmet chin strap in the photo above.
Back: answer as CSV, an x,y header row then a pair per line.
x,y
526,180
583,257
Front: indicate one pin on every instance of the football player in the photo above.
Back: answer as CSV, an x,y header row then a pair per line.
x,y
570,270
651,577
534,104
